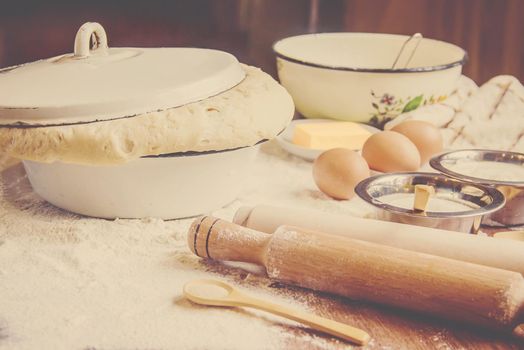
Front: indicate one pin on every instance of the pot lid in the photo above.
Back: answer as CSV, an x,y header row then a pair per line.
x,y
100,83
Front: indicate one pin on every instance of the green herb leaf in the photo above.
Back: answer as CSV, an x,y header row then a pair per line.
x,y
413,104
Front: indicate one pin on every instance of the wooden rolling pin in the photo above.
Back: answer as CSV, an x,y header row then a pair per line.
x,y
367,271
483,250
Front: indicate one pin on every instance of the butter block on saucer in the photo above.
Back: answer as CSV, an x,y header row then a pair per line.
x,y
329,135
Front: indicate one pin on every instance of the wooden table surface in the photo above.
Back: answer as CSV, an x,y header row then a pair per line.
x,y
390,328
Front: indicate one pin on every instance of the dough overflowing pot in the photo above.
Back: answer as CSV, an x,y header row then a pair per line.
x,y
133,132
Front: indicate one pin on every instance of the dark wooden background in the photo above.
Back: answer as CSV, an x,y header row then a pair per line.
x,y
491,31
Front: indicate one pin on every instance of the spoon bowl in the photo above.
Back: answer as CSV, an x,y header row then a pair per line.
x,y
210,292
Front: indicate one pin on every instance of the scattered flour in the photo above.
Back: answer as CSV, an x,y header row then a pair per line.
x,y
71,282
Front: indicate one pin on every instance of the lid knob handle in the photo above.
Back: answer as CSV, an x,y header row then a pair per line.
x,y
90,31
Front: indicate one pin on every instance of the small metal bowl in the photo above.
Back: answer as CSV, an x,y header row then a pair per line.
x,y
480,199
512,186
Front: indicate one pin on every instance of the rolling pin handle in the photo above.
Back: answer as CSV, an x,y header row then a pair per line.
x,y
216,239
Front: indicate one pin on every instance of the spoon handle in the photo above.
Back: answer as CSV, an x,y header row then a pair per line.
x,y
338,329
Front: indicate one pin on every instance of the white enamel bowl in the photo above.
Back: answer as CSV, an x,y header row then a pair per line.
x,y
348,76
167,187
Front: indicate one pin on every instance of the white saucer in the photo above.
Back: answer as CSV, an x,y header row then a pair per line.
x,y
285,139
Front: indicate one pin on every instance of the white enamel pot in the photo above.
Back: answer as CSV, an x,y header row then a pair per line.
x,y
100,83
349,76
167,187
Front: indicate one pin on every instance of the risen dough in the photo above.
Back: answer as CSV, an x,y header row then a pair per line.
x,y
256,109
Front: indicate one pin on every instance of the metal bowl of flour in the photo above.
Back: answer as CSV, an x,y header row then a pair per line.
x,y
456,205
496,169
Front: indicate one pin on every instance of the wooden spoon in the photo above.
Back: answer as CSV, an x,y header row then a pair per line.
x,y
217,293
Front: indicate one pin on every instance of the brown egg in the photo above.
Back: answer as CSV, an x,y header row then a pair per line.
x,y
389,151
337,171
424,135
